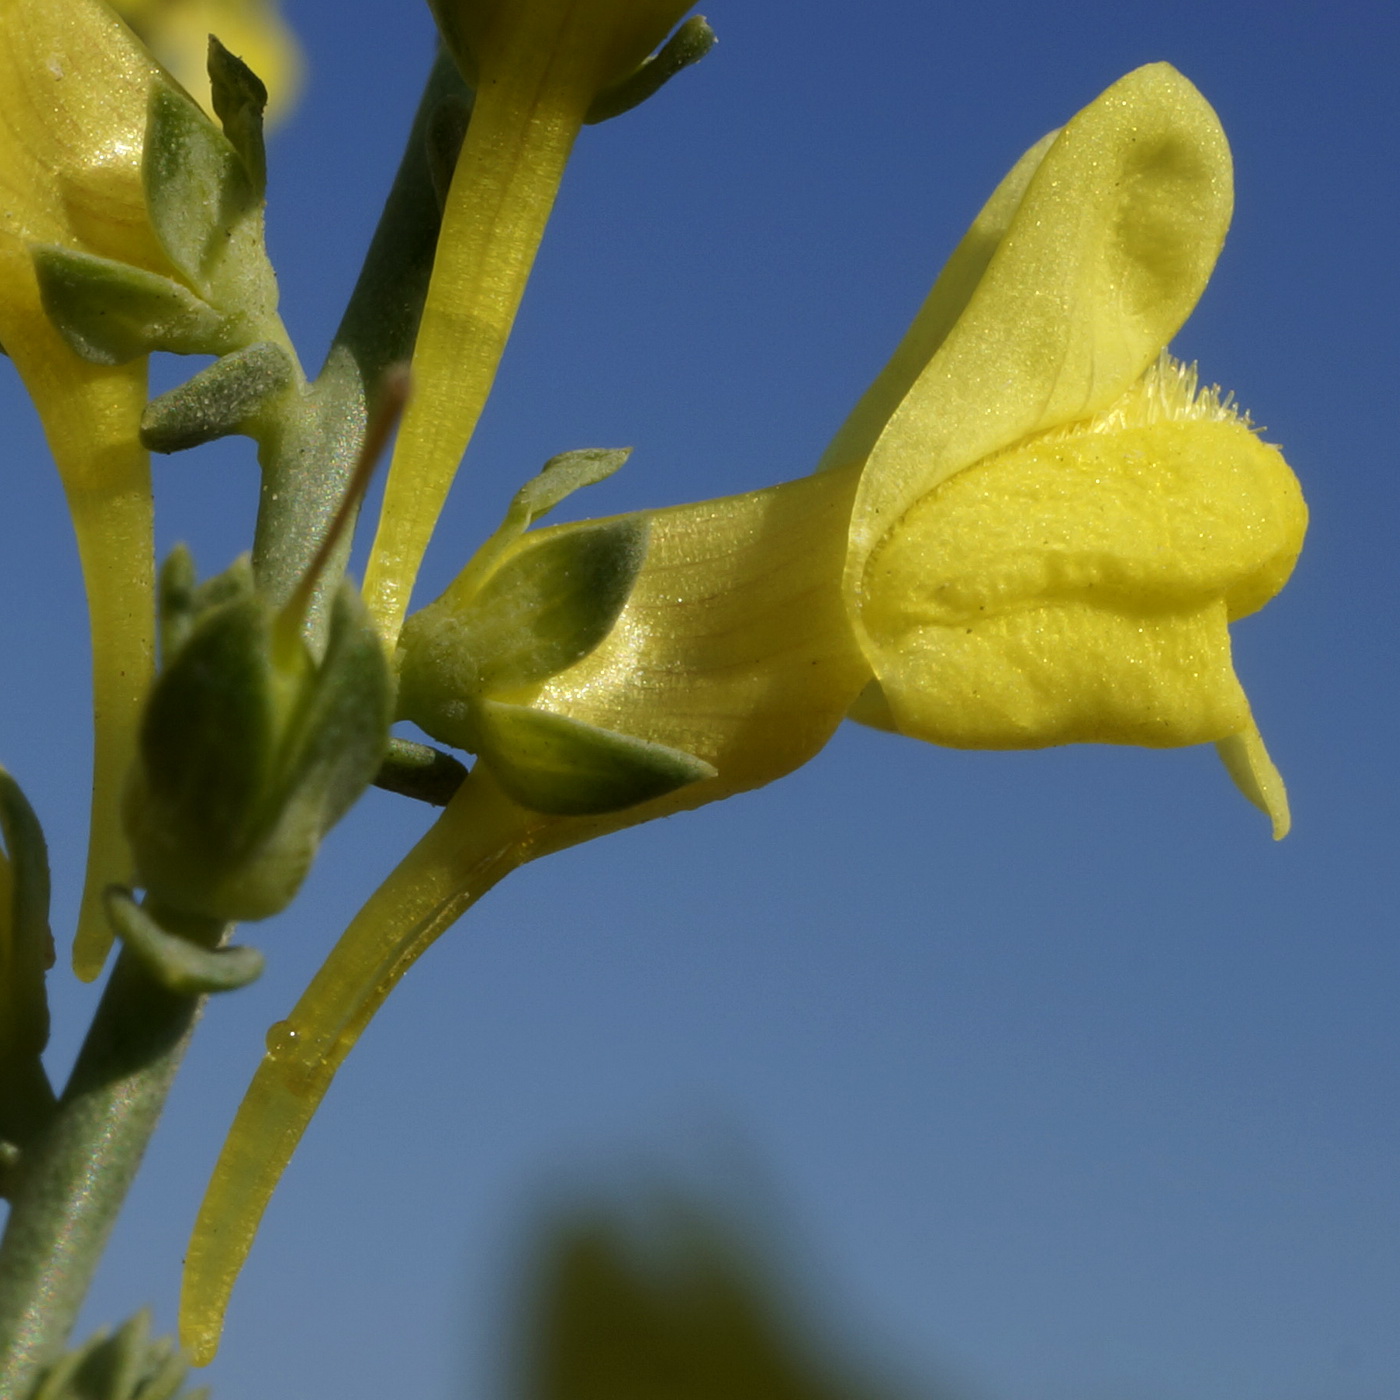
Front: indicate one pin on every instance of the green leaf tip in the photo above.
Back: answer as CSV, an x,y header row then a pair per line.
x,y
178,964
561,476
26,942
240,99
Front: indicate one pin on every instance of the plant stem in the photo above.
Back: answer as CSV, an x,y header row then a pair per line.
x,y
75,1178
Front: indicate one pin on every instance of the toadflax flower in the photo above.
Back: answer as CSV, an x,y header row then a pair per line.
x,y
1033,529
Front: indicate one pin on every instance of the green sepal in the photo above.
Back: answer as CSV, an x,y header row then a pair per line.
x,y
547,606
225,397
125,1365
689,44
554,764
240,99
552,602
197,186
179,965
110,312
561,476
249,751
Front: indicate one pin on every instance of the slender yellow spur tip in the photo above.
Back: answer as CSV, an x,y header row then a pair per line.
x,y
480,837
536,67
74,90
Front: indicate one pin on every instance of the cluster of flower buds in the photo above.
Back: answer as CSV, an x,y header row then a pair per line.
x,y
250,748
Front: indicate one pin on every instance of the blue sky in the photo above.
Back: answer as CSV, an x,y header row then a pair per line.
x,y
1055,1078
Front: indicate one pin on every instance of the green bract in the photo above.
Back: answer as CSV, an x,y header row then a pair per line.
x,y
525,609
249,749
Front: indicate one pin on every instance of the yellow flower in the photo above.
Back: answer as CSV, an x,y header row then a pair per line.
x,y
1032,530
74,90
1053,526
177,33
536,66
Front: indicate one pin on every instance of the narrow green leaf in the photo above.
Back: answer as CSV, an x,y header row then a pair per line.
x,y
343,729
110,312
178,964
420,771
562,766
689,44
224,398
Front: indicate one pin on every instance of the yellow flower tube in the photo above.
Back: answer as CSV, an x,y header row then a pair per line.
x,y
74,86
537,66
733,646
1053,526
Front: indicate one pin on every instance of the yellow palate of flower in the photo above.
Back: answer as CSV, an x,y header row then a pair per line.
x,y
1076,588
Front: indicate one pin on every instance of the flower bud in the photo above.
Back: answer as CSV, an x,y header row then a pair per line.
x,y
250,750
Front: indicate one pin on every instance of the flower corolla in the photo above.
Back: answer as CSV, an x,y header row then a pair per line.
x,y
1054,524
